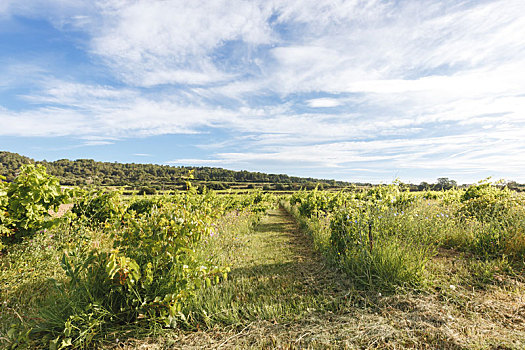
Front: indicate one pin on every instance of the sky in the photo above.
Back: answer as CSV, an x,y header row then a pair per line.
x,y
354,90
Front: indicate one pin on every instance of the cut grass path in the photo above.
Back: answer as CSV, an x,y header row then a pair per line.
x,y
278,287
277,281
281,295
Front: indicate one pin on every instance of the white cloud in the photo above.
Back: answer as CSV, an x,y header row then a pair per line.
x,y
97,143
418,85
97,113
323,102
47,122
485,153
151,43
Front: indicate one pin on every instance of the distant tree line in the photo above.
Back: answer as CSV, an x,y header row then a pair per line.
x,y
149,178
87,171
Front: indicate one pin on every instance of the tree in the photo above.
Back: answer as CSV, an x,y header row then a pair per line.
x,y
424,186
444,183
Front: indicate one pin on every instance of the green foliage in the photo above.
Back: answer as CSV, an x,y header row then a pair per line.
x,y
390,195
486,202
147,277
370,244
499,214
313,203
139,271
10,164
444,183
389,264
147,190
451,197
144,205
98,206
26,202
430,195
384,236
256,202
89,172
4,215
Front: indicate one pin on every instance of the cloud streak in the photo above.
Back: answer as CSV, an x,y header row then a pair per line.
x,y
315,88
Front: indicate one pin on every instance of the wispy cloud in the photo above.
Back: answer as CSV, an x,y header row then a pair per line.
x,y
324,102
338,87
151,43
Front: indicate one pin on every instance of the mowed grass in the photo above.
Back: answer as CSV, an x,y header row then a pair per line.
x,y
276,282
282,294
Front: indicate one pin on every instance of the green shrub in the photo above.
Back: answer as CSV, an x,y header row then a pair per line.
x,y
486,202
376,250
147,277
498,213
347,229
98,206
392,195
142,206
4,215
145,190
26,202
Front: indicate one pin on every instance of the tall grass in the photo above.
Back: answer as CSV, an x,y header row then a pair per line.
x,y
383,242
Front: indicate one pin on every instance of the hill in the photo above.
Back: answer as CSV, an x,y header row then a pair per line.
x,y
87,171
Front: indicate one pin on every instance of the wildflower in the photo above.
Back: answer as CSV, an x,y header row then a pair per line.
x,y
453,287
402,212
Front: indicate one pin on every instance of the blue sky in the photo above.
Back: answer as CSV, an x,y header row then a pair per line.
x,y
351,90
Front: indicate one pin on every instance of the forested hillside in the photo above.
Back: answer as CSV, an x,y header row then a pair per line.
x,y
88,171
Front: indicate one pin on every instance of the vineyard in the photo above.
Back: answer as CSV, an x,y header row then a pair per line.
x,y
364,268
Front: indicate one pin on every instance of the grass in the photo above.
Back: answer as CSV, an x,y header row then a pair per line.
x,y
277,281
275,277
282,293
